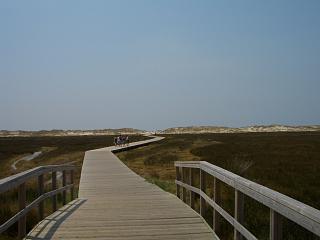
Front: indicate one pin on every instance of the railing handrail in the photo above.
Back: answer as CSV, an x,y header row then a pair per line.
x,y
298,212
15,180
19,180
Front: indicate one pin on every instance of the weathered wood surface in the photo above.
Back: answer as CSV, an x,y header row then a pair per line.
x,y
279,204
19,180
116,203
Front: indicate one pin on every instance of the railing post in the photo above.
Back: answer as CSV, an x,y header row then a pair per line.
x,y
54,187
203,189
22,205
178,179
217,200
275,225
191,194
184,190
72,182
64,183
40,192
238,212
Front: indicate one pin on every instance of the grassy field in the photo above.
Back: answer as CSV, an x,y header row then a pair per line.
x,y
286,162
56,150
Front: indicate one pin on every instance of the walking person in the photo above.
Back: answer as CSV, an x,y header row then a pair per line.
x,y
127,140
121,140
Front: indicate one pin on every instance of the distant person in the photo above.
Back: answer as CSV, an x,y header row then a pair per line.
x,y
127,140
122,138
115,141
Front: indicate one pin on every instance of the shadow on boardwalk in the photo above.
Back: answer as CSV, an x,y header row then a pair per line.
x,y
51,223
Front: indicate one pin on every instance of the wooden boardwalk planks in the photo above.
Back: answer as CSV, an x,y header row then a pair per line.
x,y
116,203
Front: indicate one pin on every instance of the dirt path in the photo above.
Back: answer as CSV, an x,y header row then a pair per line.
x,y
26,158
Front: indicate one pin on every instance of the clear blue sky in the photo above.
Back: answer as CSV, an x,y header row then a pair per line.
x,y
158,64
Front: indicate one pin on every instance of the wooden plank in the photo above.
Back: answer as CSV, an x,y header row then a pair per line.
x,y
203,208
178,177
128,222
184,191
217,199
238,212
64,183
22,204
17,179
275,225
132,237
72,181
40,192
54,187
191,193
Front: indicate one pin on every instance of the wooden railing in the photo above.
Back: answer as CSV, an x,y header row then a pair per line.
x,y
19,181
280,205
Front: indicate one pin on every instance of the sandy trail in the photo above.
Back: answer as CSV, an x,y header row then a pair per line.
x,y
26,158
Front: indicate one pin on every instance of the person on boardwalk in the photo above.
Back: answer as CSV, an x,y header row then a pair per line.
x,y
127,140
121,141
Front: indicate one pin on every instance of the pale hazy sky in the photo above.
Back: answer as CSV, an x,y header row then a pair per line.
x,y
157,64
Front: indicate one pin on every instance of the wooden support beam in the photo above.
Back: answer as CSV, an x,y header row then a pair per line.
x,y
191,193
275,225
40,192
178,178
54,187
22,204
203,189
217,200
72,182
238,212
64,183
184,190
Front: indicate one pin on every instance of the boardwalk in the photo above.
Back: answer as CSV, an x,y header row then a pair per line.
x,y
116,203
